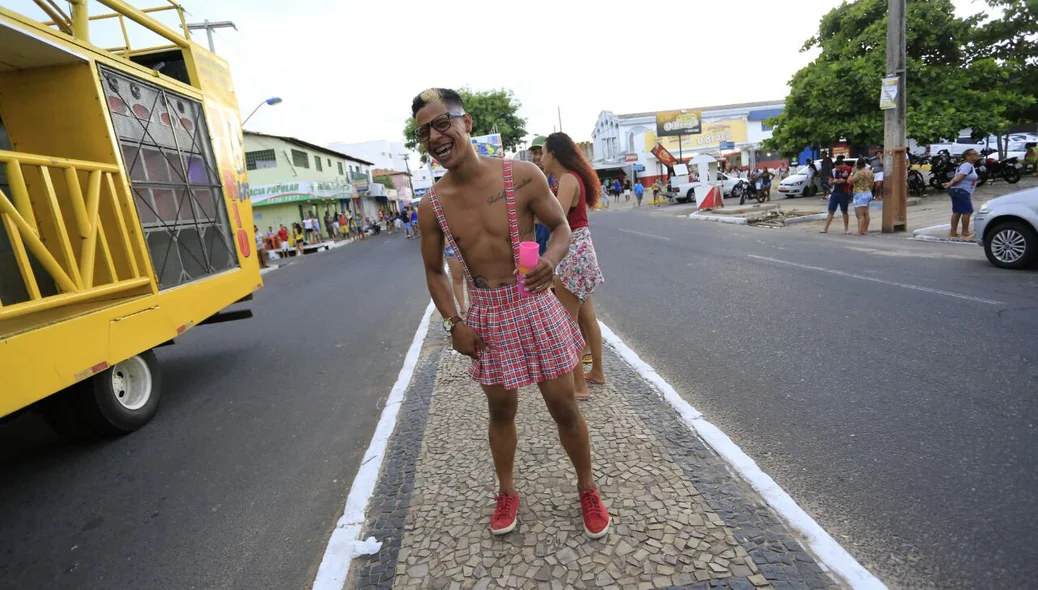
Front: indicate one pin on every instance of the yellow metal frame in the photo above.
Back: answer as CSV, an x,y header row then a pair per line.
x,y
75,278
78,220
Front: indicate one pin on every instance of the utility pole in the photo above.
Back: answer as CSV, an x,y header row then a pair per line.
x,y
208,26
895,186
560,117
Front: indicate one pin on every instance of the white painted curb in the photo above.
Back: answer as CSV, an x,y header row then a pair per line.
x,y
830,554
344,545
926,230
803,218
926,238
719,218
272,268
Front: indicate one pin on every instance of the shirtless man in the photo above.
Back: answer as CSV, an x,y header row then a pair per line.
x,y
483,207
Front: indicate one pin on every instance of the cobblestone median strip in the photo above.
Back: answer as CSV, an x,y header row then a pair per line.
x,y
680,517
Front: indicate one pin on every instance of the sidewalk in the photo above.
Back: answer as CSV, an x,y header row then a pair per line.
x,y
680,517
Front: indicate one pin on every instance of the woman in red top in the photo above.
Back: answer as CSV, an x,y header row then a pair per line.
x,y
578,274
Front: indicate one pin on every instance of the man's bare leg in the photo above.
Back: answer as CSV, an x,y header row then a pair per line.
x,y
558,396
502,404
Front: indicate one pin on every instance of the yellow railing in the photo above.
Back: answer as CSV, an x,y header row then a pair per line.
x,y
123,10
37,224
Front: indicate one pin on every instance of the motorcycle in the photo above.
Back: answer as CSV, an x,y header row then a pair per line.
x,y
916,184
1009,168
745,190
942,169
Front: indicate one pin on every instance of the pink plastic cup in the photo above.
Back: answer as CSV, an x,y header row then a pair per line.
x,y
529,254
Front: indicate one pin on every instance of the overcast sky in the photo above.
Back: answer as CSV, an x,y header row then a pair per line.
x,y
347,71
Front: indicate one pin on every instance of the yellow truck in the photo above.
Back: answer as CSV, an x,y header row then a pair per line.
x,y
124,213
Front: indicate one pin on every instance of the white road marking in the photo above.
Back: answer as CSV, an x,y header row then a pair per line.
x,y
880,281
829,553
344,543
644,235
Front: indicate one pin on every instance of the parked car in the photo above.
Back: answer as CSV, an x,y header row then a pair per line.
x,y
795,185
1007,229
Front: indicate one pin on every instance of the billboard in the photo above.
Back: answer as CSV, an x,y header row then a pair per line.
x,y
712,134
673,123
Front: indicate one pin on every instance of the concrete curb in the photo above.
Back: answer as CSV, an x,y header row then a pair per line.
x,y
803,218
721,219
926,238
926,230
271,268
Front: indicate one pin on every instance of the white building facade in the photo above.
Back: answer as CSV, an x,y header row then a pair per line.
x,y
622,144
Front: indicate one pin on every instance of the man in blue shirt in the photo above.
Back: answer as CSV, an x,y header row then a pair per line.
x,y
638,191
541,231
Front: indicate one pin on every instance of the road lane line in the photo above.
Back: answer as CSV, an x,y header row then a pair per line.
x,y
828,552
344,544
645,235
880,281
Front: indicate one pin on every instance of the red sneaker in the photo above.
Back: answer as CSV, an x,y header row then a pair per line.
x,y
505,514
596,516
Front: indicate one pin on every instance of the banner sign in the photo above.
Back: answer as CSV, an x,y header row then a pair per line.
x,y
663,155
888,94
302,190
672,123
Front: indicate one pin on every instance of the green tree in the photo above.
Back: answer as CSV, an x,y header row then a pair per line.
x,y
837,95
489,109
385,181
1010,41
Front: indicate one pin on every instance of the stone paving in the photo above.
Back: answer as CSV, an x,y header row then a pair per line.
x,y
680,518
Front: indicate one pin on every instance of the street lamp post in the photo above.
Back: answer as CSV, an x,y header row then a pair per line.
x,y
271,101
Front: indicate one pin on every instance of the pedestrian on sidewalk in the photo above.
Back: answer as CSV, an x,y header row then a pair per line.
x,y
765,179
616,191
261,251
407,224
826,174
810,172
627,191
283,236
862,180
317,236
517,334
657,189
298,238
578,274
541,232
639,191
414,223
840,196
960,189
606,190
308,227
877,172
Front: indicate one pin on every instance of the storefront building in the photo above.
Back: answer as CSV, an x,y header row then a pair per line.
x,y
290,179
623,144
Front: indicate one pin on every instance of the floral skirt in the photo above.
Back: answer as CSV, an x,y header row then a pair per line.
x,y
578,272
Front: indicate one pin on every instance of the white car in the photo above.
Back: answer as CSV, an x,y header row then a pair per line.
x,y
795,185
687,193
1007,229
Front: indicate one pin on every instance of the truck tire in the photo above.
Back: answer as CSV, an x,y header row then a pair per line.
x,y
116,401
691,195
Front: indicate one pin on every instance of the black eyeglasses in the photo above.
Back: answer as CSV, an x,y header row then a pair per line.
x,y
441,124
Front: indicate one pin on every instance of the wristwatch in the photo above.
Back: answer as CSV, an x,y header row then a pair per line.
x,y
448,324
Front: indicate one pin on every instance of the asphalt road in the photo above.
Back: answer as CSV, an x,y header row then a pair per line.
x,y
240,478
888,385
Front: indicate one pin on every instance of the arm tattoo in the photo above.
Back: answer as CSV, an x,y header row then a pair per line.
x,y
481,282
501,195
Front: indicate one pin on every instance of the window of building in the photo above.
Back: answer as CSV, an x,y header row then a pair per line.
x,y
329,162
300,159
261,159
317,163
340,168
